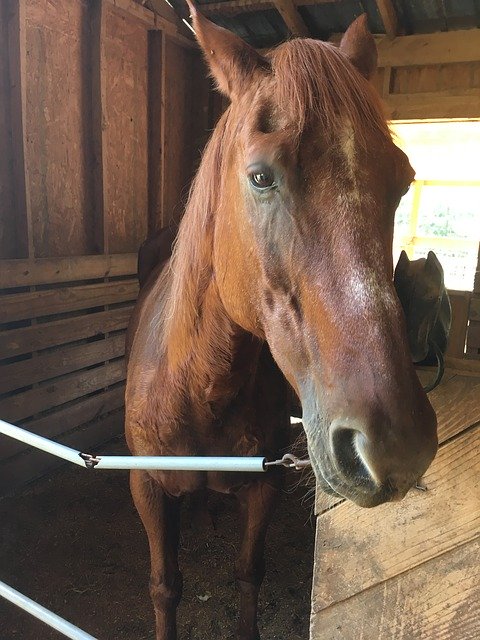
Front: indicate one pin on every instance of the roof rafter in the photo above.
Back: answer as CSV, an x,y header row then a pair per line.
x,y
291,17
389,17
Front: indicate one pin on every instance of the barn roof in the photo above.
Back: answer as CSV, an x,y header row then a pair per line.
x,y
264,23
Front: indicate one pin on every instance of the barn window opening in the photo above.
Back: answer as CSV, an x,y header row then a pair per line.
x,y
441,211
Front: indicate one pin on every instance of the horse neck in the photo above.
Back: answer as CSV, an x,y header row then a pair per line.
x,y
212,356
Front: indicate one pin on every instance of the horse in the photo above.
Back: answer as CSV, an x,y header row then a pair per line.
x,y
281,277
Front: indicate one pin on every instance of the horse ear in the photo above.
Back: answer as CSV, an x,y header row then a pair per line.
x,y
359,47
232,61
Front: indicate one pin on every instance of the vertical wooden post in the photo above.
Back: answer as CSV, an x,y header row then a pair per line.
x,y
99,122
17,57
156,126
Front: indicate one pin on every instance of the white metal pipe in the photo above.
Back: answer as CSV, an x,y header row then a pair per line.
x,y
56,449
182,463
163,463
69,630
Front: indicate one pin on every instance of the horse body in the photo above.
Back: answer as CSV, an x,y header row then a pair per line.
x,y
282,271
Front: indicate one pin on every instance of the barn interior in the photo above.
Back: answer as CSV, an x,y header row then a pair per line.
x,y
105,107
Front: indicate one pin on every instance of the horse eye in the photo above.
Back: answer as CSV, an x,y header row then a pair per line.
x,y
262,179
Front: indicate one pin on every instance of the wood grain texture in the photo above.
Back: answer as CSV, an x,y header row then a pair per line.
x,y
53,394
179,147
36,304
58,130
126,132
59,362
427,49
17,342
389,17
292,18
98,18
357,549
27,273
67,418
460,303
439,599
15,219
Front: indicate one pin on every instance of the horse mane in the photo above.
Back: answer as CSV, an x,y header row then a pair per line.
x,y
315,81
311,80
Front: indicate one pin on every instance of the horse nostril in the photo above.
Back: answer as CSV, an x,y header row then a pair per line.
x,y
347,454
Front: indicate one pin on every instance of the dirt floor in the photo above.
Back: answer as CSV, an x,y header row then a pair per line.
x,y
74,543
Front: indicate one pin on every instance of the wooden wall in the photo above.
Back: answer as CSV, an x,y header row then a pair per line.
x,y
430,76
409,571
104,109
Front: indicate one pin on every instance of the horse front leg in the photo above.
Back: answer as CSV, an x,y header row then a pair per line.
x,y
258,501
160,516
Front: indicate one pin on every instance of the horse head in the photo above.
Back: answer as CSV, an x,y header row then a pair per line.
x,y
304,181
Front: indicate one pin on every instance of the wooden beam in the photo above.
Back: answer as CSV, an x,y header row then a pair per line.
x,y
428,49
291,17
440,104
389,17
17,61
235,6
99,118
156,122
240,6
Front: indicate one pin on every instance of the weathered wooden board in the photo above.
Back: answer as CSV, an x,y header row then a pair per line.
x,y
60,362
429,49
357,549
22,306
439,599
126,133
8,236
55,393
25,273
49,334
178,152
67,418
58,127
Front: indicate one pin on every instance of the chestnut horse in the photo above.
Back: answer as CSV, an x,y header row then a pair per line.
x,y
284,251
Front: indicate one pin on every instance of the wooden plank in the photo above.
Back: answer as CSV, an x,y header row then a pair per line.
x,y
58,127
178,146
438,599
473,339
389,17
291,17
17,90
474,311
27,273
51,334
420,106
463,366
70,387
17,471
155,129
22,306
429,49
10,246
59,362
126,133
460,302
354,554
67,418
99,121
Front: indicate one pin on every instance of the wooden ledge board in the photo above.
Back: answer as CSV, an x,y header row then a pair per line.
x,y
357,549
